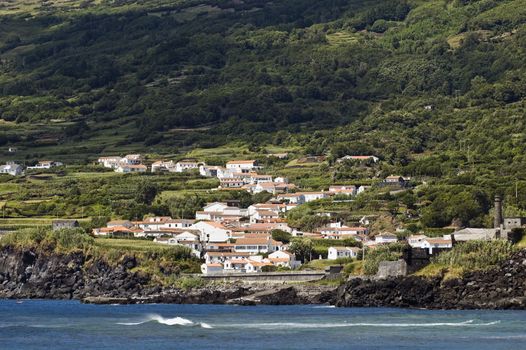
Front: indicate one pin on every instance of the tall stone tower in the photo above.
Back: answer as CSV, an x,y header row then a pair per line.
x,y
499,219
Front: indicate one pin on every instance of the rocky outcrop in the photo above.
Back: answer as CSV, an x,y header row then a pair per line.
x,y
501,288
32,274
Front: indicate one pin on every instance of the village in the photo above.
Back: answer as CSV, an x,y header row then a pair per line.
x,y
232,239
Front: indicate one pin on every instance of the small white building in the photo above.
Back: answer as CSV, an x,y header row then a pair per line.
x,y
284,258
259,245
342,252
110,162
242,166
186,165
212,231
342,232
436,243
11,169
163,166
294,198
132,159
212,171
347,190
313,196
385,238
416,241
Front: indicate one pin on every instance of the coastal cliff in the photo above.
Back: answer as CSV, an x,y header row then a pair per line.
x,y
500,288
27,273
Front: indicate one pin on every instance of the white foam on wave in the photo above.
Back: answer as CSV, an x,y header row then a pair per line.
x,y
281,325
175,321
324,307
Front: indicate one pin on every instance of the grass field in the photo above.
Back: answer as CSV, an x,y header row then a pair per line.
x,y
131,245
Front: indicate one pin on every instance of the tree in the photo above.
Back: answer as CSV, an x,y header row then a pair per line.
x,y
146,192
281,236
302,248
185,207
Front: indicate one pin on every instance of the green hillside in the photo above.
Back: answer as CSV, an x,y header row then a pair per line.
x,y
434,88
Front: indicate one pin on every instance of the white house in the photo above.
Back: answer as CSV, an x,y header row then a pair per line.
x,y
257,245
234,182
385,238
263,215
160,166
416,241
342,252
132,159
348,190
256,266
312,196
284,258
242,166
294,198
110,162
45,164
341,232
11,169
212,231
436,243
212,171
186,165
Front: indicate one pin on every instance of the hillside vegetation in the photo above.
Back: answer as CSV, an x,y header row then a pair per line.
x,y
434,88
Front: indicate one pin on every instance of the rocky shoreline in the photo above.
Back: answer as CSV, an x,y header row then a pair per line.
x,y
500,288
28,274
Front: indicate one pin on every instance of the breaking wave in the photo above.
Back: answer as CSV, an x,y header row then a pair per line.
x,y
175,321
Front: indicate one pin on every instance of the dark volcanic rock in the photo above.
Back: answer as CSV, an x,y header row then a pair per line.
x,y
30,274
501,288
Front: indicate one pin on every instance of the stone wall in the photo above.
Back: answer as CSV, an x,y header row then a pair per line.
x,y
392,269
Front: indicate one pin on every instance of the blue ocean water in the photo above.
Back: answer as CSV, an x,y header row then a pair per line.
x,y
42,324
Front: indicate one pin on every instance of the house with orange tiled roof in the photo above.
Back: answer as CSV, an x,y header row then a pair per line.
x,y
349,190
257,245
283,258
256,266
343,232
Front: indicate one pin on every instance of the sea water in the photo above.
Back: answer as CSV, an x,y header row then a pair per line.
x,y
41,324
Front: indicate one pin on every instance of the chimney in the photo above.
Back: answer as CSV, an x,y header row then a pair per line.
x,y
498,212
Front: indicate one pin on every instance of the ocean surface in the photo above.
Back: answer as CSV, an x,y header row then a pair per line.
x,y
40,324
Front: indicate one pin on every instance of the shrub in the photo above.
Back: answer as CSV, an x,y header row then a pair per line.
x,y
189,282
476,255
390,252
